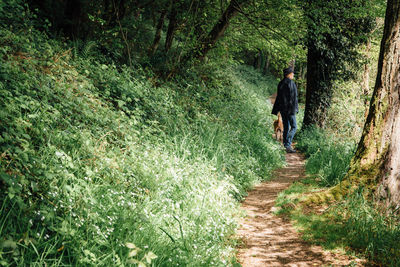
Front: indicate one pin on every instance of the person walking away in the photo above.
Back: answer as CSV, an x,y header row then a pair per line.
x,y
287,104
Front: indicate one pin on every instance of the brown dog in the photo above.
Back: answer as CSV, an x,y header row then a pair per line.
x,y
278,128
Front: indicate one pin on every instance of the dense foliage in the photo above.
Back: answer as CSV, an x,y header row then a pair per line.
x,y
106,165
335,31
129,131
164,34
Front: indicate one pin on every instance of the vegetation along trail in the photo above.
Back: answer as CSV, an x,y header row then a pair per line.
x,y
270,240
133,132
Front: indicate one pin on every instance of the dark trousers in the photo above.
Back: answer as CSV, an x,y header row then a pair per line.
x,y
289,128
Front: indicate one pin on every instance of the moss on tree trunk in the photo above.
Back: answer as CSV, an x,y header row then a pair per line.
x,y
376,163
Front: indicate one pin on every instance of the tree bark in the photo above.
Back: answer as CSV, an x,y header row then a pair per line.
x,y
377,159
376,163
258,60
292,63
219,29
266,67
171,28
157,36
121,9
365,82
318,89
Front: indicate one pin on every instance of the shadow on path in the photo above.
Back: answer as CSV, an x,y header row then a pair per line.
x,y
270,240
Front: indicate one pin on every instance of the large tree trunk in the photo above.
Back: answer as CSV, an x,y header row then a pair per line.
x,y
365,81
318,90
377,159
157,36
171,27
219,28
376,163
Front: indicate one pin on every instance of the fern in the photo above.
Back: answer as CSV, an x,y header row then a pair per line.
x,y
83,49
88,48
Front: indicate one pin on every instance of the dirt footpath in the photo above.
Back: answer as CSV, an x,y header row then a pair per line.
x,y
270,240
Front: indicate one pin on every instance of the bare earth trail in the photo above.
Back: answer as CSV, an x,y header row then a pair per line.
x,y
270,240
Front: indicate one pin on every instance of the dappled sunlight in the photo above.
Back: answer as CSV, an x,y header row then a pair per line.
x,y
269,240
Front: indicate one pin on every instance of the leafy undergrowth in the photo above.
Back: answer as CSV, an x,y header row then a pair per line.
x,y
101,168
354,225
328,156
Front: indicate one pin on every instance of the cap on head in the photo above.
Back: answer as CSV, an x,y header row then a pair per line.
x,y
287,71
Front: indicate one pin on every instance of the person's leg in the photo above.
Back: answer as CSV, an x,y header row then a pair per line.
x,y
293,127
285,121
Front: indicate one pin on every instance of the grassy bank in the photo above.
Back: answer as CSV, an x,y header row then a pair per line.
x,y
104,165
369,229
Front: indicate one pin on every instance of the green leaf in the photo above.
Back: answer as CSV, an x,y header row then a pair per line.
x,y
133,253
134,261
11,195
150,256
130,245
9,244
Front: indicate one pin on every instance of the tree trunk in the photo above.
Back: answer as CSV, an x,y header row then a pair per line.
x,y
255,61
121,9
377,159
365,82
266,67
318,90
157,36
259,59
219,28
376,163
171,28
73,18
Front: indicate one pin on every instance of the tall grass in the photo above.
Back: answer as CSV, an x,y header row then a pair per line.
x,y
98,167
372,229
328,156
362,224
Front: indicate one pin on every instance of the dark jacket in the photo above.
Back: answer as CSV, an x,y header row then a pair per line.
x,y
286,101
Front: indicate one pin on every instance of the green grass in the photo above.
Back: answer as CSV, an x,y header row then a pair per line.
x,y
99,167
328,156
370,230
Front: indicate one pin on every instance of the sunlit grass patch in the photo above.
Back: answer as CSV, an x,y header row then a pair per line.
x,y
328,157
355,225
98,167
287,199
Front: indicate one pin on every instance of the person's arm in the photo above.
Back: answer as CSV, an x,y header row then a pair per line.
x,y
277,103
